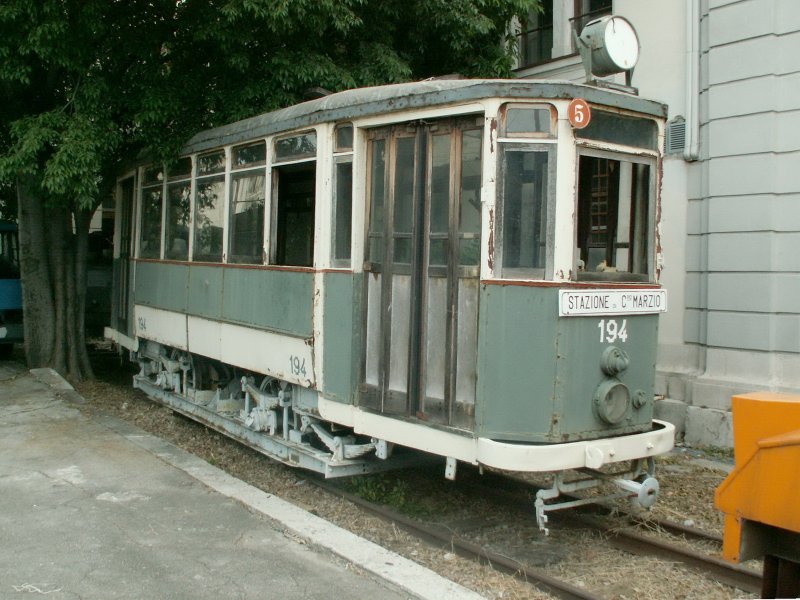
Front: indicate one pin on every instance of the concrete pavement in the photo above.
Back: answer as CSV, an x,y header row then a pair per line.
x,y
94,508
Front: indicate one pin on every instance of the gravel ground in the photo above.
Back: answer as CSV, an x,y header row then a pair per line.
x,y
575,554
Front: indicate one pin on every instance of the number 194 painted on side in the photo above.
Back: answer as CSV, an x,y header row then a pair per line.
x,y
611,331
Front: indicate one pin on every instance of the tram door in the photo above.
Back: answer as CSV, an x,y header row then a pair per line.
x,y
422,267
122,269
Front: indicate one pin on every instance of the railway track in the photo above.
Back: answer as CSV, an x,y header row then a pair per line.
x,y
626,539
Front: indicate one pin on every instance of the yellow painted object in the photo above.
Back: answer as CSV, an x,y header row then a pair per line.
x,y
764,487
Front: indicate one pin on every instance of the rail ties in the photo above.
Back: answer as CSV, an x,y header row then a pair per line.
x,y
725,572
442,536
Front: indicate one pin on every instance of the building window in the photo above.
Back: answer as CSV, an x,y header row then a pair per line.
x,y
586,11
536,36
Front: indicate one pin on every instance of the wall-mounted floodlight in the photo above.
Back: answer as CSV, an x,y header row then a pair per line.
x,y
608,45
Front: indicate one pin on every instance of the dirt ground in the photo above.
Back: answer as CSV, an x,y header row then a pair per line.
x,y
577,555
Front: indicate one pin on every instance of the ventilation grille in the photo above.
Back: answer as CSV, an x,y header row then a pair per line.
x,y
676,136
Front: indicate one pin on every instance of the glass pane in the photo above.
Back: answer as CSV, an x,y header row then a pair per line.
x,y
250,155
613,219
402,250
150,242
247,217
344,138
621,129
440,184
404,185
524,209
153,175
209,219
213,162
181,168
376,192
343,206
470,213
297,146
438,252
177,225
527,120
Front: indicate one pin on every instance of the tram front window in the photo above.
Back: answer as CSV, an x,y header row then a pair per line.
x,y
614,219
526,190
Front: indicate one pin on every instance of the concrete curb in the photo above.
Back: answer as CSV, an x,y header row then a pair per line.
x,y
401,572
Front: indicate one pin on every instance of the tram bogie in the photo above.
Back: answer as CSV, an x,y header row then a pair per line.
x,y
449,266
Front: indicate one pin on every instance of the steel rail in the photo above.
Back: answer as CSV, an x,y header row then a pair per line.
x,y
441,535
725,572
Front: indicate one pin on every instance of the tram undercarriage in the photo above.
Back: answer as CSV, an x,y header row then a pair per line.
x,y
275,418
282,421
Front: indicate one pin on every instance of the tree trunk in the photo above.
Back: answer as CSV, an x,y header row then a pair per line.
x,y
53,252
82,220
39,323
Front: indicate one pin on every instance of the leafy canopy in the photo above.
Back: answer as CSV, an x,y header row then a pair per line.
x,y
89,84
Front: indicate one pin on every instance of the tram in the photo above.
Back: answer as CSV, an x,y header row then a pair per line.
x,y
467,268
11,330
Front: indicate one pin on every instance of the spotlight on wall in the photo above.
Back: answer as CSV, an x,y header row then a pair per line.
x,y
608,45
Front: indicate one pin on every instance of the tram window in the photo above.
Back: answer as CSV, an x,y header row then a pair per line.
x,y
213,162
250,155
377,184
440,199
150,230
621,129
247,217
528,121
343,138
248,198
614,216
469,247
303,145
526,190
293,205
177,220
209,218
342,210
403,200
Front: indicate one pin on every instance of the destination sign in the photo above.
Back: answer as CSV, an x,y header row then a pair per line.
x,y
574,303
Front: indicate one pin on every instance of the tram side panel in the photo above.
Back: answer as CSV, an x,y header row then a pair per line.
x,y
541,378
341,352
255,319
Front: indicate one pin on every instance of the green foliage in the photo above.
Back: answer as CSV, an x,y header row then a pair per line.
x,y
89,84
381,489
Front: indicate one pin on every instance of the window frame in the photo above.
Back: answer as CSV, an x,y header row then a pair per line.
x,y
277,163
550,148
234,173
621,155
213,175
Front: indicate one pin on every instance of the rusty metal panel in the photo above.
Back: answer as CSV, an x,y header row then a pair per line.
x,y
278,300
341,336
538,373
162,285
205,291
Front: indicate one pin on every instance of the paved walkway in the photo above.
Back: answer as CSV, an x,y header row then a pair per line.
x,y
94,508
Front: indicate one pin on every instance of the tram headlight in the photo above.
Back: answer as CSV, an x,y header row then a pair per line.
x,y
611,401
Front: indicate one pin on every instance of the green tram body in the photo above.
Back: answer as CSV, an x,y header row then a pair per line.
x,y
449,265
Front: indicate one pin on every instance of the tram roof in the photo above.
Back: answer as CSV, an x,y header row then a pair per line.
x,y
362,102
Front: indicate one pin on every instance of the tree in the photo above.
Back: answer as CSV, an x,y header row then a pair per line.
x,y
90,84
